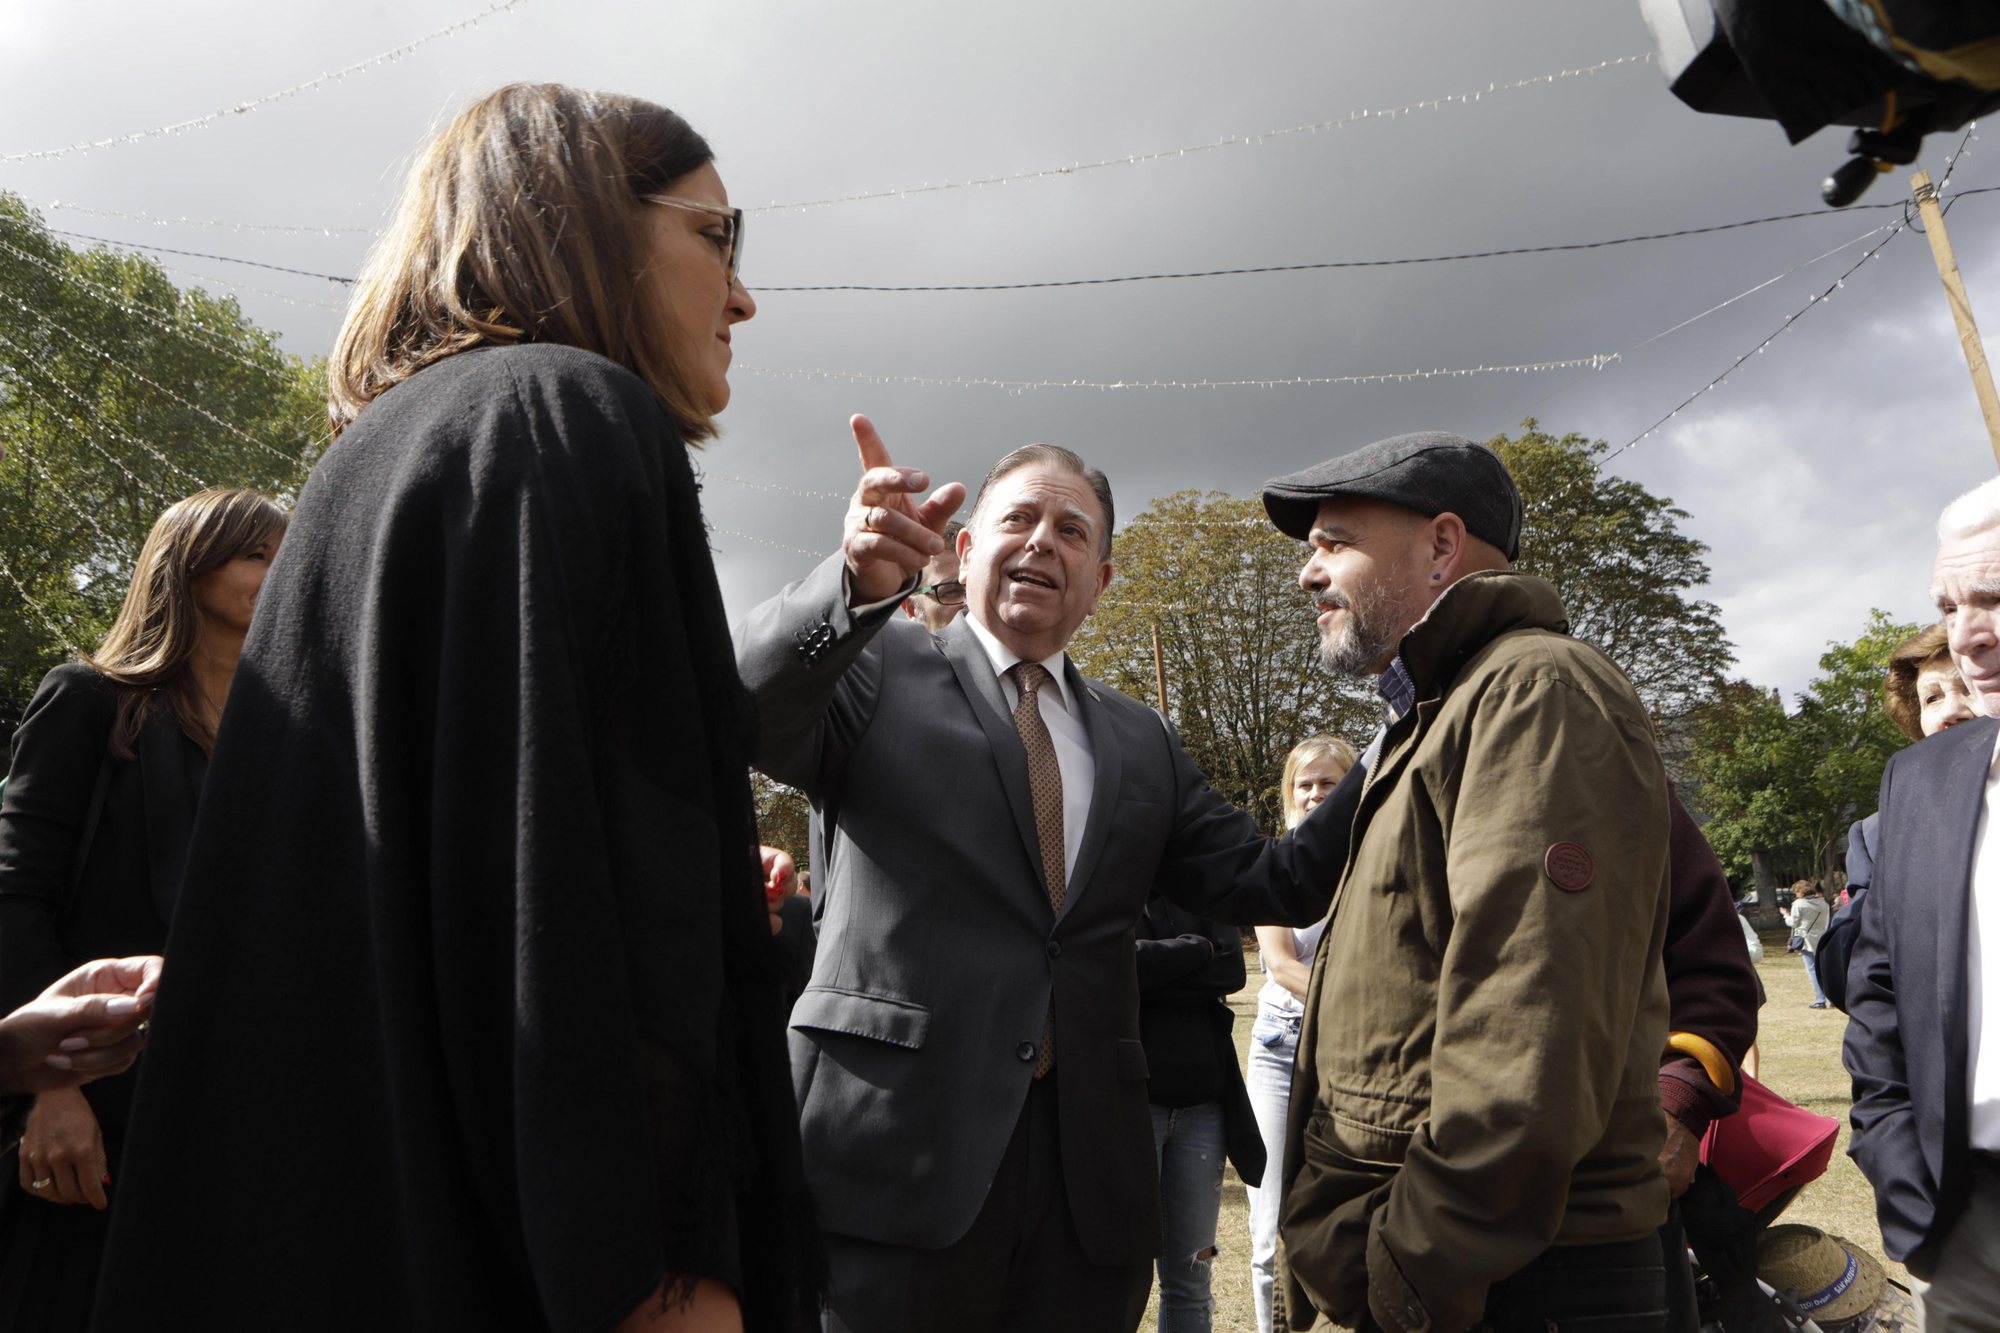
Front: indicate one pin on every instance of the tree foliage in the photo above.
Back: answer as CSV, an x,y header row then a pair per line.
x,y
119,394
784,817
1244,682
1790,784
1616,554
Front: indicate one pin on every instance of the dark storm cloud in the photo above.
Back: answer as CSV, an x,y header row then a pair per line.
x,y
1815,473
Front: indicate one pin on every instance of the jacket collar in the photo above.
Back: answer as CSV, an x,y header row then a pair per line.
x,y
1472,613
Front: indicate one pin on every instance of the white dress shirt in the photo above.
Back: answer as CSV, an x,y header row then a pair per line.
x,y
1067,732
1982,972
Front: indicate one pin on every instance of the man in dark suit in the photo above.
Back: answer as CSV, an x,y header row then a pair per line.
x,y
971,1081
1923,983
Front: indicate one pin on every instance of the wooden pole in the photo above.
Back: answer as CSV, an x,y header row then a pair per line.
x,y
1961,307
1160,668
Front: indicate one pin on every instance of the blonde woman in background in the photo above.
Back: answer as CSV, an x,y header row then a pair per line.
x,y
1313,769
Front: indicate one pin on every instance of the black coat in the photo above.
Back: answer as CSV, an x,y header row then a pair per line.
x,y
131,876
1188,968
473,1015
53,918
1906,1041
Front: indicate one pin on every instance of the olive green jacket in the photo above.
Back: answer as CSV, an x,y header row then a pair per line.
x,y
1478,1067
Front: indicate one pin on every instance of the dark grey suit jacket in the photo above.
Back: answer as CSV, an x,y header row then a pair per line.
x,y
913,1048
1906,988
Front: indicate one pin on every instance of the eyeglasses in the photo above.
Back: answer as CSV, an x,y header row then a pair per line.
x,y
949,593
729,245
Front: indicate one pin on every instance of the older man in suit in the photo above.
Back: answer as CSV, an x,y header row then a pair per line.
x,y
971,1083
1923,983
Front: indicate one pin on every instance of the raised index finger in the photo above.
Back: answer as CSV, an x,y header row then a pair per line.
x,y
874,453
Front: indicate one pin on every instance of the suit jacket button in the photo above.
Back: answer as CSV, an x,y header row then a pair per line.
x,y
1026,1050
1055,950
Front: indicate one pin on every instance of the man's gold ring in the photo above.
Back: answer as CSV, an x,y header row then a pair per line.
x,y
42,1184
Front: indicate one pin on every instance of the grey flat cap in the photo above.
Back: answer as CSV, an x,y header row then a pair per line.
x,y
1432,472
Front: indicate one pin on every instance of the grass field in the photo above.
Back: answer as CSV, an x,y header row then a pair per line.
x,y
1800,1051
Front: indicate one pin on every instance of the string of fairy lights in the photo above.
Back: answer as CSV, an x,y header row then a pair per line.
x,y
244,108
51,391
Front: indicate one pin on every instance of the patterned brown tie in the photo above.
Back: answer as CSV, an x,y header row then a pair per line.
x,y
1045,782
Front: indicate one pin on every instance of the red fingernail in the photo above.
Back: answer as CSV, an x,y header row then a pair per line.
x,y
107,1177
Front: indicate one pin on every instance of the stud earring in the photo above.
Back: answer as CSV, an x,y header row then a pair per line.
x,y
1437,576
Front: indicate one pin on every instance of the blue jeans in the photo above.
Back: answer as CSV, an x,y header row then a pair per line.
x,y
1274,1048
1812,971
1189,1144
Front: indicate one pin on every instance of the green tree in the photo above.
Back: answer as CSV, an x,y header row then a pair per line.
x,y
1847,730
119,394
1616,554
1782,788
783,817
1244,682
1755,775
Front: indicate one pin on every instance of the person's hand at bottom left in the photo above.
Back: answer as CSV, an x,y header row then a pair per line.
x,y
62,1151
87,1025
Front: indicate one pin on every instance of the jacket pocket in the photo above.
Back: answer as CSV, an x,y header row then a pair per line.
x,y
1359,1142
1325,1214
1132,1067
879,1017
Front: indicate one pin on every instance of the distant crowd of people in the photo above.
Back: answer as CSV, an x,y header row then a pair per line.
x,y
480,1011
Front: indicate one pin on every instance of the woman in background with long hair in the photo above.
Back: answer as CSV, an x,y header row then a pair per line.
x,y
1313,769
477,870
101,797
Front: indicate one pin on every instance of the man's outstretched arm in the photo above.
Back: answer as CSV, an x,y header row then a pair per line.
x,y
1218,864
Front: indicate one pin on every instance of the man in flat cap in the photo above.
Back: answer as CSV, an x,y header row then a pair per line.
x,y
1475,1125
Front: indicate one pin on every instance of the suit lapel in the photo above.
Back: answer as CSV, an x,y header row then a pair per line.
x,y
1962,795
1105,757
974,670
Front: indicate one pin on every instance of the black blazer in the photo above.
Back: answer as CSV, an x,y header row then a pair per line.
x,y
132,872
939,957
1906,988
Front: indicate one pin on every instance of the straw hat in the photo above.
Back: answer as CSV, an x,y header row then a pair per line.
x,y
1834,1279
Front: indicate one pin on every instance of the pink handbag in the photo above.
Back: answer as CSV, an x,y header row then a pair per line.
x,y
1769,1146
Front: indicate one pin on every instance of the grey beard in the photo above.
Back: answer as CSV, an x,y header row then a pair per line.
x,y
1365,637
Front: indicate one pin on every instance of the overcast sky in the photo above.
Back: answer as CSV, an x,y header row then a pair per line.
x,y
1815,473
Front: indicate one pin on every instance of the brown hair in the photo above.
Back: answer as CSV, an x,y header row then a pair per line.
x,y
1921,650
1053,455
522,223
1805,888
147,652
1320,746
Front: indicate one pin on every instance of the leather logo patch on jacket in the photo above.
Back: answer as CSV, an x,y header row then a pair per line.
x,y
1569,866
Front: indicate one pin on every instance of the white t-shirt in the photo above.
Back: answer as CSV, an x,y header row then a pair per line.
x,y
1305,943
1982,973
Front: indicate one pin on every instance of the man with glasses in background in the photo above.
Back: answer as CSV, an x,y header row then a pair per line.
x,y
939,596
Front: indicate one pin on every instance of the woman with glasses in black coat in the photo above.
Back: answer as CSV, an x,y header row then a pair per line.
x,y
478,833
